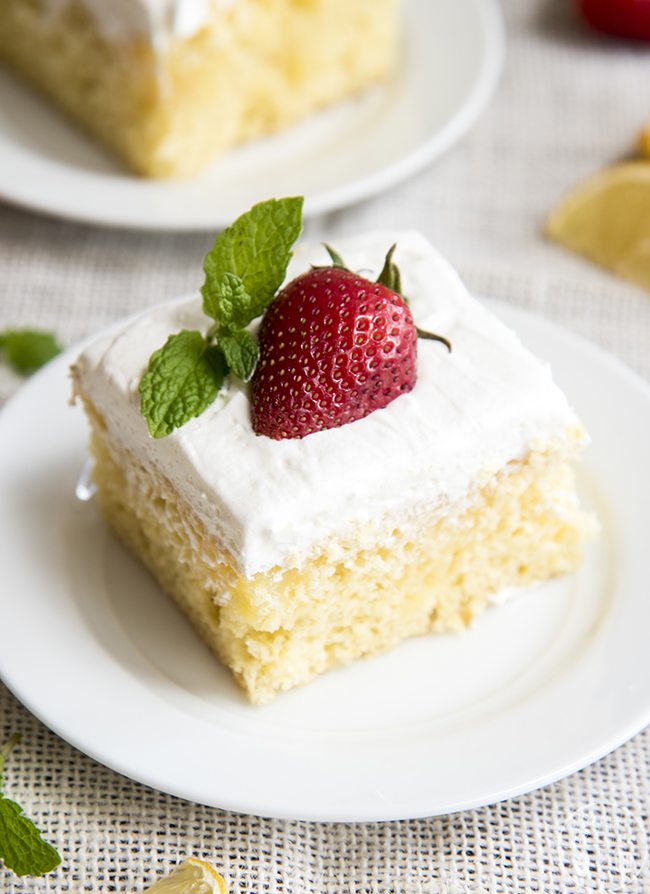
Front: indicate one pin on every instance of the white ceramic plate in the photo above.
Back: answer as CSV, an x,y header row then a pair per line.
x,y
450,64
540,687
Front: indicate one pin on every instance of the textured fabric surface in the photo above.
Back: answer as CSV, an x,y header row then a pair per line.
x,y
569,102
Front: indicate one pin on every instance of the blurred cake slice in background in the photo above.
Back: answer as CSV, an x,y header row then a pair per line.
x,y
167,85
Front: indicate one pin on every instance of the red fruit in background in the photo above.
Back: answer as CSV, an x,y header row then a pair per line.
x,y
334,347
624,18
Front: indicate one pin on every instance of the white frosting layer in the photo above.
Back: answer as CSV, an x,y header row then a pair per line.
x,y
157,20
272,502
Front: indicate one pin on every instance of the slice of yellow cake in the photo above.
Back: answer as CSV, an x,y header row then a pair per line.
x,y
169,84
292,556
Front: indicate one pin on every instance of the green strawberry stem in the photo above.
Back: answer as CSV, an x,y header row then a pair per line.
x,y
390,275
391,278
337,260
430,336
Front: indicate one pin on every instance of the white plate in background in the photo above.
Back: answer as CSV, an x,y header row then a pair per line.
x,y
452,56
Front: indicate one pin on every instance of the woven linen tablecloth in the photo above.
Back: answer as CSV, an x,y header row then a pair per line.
x,y
569,102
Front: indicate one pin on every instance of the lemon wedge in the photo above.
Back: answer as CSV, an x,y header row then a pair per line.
x,y
190,877
607,219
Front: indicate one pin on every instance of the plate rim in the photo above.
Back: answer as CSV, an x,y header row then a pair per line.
x,y
608,743
320,202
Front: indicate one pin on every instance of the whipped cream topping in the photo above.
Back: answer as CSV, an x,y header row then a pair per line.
x,y
156,20
272,503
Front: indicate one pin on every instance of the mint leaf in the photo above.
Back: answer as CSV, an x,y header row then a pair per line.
x,y
22,848
257,249
243,271
230,304
241,352
183,378
26,350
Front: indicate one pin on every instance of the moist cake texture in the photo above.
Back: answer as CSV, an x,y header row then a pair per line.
x,y
169,84
294,556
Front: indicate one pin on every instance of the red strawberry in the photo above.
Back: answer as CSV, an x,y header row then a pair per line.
x,y
624,18
333,348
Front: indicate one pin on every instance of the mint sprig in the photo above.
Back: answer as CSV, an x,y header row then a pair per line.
x,y
22,848
26,350
230,303
241,352
243,271
257,249
183,378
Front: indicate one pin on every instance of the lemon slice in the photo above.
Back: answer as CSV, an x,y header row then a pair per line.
x,y
190,877
607,218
